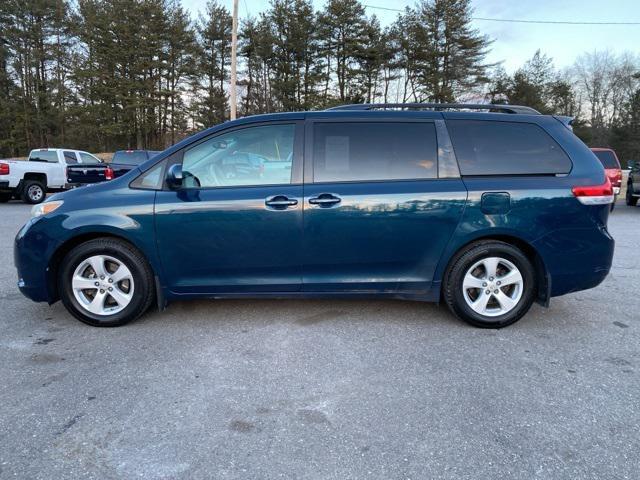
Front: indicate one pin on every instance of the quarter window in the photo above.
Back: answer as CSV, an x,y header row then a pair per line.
x,y
362,151
506,148
251,156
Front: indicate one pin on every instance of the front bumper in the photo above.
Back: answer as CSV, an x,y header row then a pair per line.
x,y
31,253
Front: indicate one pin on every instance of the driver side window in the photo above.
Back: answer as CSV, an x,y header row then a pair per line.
x,y
250,156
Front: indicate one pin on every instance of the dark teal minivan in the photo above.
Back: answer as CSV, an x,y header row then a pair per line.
x,y
487,208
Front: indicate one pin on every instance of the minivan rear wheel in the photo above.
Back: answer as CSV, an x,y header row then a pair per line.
x,y
106,283
491,284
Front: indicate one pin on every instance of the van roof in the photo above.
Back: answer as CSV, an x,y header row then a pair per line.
x,y
489,107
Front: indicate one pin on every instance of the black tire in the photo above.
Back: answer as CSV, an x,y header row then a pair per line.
x,y
464,260
5,197
33,192
630,199
143,280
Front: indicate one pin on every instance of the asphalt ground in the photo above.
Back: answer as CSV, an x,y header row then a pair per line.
x,y
324,389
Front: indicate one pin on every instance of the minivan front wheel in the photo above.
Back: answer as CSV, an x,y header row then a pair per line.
x,y
106,283
491,285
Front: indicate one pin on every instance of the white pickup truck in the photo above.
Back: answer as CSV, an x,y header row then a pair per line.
x,y
44,171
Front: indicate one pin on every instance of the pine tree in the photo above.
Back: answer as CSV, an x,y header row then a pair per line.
x,y
179,69
448,59
343,26
214,55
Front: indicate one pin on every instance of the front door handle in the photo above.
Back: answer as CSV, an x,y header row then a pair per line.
x,y
325,200
280,202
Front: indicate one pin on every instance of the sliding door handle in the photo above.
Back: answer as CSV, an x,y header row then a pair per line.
x,y
325,200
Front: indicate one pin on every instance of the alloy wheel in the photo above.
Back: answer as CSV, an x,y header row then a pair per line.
x,y
102,285
492,286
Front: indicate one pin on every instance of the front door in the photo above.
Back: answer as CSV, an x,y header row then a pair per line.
x,y
236,224
377,216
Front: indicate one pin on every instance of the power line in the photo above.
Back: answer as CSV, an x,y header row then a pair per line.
x,y
553,22
513,20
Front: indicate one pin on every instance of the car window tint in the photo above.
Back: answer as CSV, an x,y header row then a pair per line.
x,y
361,151
251,156
607,158
505,148
86,158
152,178
70,157
43,156
130,157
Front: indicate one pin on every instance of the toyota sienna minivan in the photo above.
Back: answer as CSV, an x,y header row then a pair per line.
x,y
487,208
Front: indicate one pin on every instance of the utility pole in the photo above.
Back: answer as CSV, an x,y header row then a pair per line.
x,y
234,55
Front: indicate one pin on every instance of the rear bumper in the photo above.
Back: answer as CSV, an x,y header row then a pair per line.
x,y
576,258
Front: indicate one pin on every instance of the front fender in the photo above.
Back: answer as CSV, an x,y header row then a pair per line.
x,y
126,214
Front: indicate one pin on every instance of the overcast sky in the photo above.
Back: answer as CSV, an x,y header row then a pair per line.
x,y
515,42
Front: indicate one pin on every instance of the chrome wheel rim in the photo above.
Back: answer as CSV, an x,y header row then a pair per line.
x,y
102,285
35,193
492,286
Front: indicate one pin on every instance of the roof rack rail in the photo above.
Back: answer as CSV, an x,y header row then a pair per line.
x,y
440,106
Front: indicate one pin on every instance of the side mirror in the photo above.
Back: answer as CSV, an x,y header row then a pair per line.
x,y
174,176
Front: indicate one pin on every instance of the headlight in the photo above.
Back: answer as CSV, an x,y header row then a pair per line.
x,y
45,208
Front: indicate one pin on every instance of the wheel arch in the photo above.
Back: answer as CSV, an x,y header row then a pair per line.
x,y
543,280
37,176
63,249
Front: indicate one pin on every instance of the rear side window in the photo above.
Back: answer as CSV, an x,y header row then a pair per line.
x,y
354,151
70,157
43,156
607,158
506,148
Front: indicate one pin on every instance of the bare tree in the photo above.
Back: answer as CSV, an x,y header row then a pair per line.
x,y
606,82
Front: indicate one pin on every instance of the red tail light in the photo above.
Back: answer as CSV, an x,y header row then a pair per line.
x,y
4,169
594,194
108,173
615,176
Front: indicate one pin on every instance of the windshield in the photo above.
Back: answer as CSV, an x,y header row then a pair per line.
x,y
130,157
607,158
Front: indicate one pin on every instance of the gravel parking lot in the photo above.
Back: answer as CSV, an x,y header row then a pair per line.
x,y
324,389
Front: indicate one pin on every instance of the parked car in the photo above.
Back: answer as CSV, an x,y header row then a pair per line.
x,y
44,171
612,168
121,163
486,211
633,184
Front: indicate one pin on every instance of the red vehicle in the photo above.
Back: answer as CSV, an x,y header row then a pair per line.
x,y
612,168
